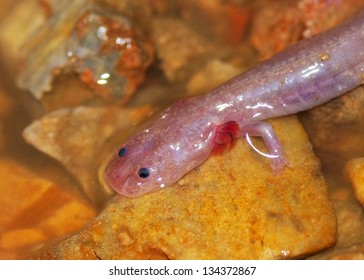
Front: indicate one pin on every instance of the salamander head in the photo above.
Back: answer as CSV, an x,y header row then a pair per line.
x,y
154,159
135,169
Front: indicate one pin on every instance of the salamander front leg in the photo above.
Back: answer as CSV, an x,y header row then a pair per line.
x,y
265,130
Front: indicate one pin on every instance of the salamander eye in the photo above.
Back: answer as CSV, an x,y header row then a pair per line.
x,y
122,152
143,172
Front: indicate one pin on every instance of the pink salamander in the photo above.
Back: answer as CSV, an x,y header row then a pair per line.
x,y
303,76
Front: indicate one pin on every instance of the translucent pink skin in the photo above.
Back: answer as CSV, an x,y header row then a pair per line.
x,y
303,76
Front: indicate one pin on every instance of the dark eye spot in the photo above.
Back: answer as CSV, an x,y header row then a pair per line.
x,y
122,152
143,172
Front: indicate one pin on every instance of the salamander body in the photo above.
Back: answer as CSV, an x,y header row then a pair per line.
x,y
301,77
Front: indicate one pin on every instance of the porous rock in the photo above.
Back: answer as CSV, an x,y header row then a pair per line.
x,y
230,207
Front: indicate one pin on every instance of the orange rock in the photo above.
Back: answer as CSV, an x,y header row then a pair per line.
x,y
230,207
276,26
239,17
19,238
2,136
208,17
279,24
6,105
138,10
355,171
321,15
34,211
174,51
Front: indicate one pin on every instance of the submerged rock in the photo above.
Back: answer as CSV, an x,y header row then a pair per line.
x,y
2,136
13,20
335,130
6,105
349,213
212,75
354,252
34,211
108,52
350,216
177,45
76,137
355,171
230,207
279,24
224,21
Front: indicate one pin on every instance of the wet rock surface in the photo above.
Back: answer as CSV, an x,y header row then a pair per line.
x,y
235,209
6,105
350,238
34,211
174,51
213,74
105,49
355,252
279,24
355,171
335,130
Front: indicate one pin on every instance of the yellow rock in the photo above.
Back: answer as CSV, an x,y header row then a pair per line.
x,y
77,137
212,75
230,207
355,171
